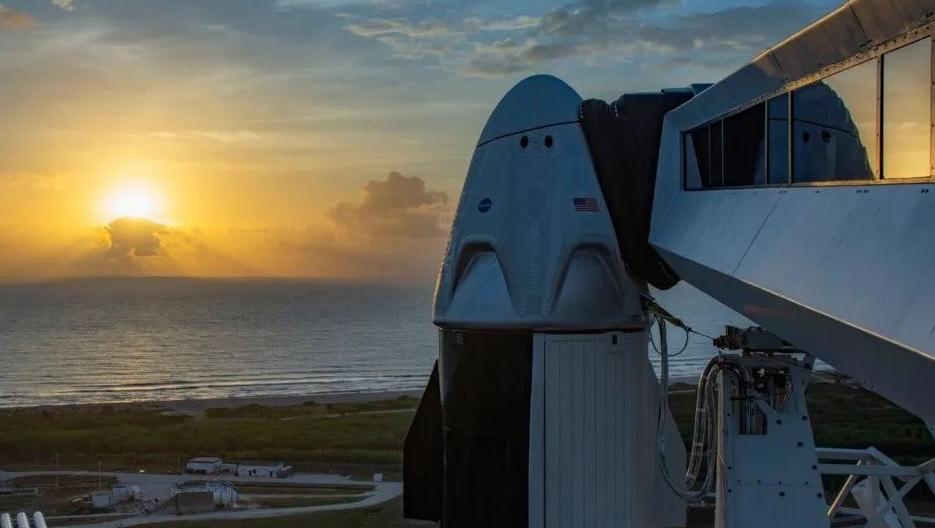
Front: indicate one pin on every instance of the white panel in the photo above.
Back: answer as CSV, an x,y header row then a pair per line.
x,y
536,436
782,488
599,432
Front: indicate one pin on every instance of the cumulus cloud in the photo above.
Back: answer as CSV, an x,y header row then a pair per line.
x,y
11,19
397,207
137,246
135,237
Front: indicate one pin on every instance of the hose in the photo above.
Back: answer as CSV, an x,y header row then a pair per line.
x,y
704,430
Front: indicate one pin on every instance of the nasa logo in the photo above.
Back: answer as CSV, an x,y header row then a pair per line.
x,y
484,205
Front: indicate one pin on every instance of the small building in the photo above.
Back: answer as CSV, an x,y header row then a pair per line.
x,y
223,494
125,492
204,465
255,468
192,502
102,500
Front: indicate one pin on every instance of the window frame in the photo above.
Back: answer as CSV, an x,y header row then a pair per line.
x,y
874,54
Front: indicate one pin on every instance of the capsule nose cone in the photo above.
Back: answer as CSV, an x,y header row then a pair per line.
x,y
532,245
535,102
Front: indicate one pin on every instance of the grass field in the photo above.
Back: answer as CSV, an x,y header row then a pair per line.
x,y
348,436
845,416
387,515
360,433
292,502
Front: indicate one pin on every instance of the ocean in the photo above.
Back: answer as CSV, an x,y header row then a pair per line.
x,y
138,339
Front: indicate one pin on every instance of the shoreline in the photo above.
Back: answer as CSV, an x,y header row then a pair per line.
x,y
194,406
199,405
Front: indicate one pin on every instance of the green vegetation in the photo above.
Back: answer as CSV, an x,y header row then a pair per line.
x,y
387,515
127,438
843,416
859,418
345,436
294,502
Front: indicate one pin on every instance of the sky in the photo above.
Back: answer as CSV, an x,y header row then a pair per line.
x,y
299,138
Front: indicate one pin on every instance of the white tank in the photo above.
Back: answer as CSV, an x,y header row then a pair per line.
x,y
21,520
38,520
6,521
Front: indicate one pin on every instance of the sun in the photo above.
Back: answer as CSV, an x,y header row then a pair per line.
x,y
135,199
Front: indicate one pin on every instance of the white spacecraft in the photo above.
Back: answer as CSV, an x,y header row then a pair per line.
x,y
795,191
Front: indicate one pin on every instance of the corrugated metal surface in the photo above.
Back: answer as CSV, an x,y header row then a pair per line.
x,y
598,431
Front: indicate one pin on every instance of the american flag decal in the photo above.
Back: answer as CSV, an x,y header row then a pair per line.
x,y
585,205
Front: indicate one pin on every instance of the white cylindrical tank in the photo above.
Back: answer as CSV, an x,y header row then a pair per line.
x,y
38,520
6,521
21,520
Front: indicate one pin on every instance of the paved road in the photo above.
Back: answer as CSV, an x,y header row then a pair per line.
x,y
158,485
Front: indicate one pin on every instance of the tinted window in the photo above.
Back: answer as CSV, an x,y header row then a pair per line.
x,y
745,147
716,154
778,134
834,127
907,111
695,144
702,151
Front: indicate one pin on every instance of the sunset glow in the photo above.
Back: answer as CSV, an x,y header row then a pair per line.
x,y
133,200
294,137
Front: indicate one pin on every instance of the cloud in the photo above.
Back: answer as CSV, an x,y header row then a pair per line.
x,y
135,237
408,40
377,27
221,136
67,5
12,20
398,207
588,29
619,30
503,24
137,246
